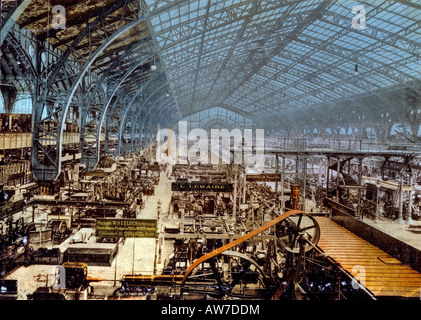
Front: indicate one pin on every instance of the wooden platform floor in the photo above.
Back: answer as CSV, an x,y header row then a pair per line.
x,y
380,273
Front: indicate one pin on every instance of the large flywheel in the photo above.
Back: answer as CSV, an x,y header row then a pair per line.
x,y
229,275
298,227
224,273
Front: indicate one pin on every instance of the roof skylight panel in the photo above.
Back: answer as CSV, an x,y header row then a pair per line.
x,y
412,69
353,43
309,4
390,54
350,87
299,47
325,57
411,14
380,80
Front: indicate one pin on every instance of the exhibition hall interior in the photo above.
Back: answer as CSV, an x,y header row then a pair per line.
x,y
210,150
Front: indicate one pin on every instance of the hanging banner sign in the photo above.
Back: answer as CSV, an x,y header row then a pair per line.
x,y
264,177
126,228
201,187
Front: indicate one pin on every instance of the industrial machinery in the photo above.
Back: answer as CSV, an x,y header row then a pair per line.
x,y
278,259
254,252
14,248
76,287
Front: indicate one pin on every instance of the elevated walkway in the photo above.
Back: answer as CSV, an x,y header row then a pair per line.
x,y
380,272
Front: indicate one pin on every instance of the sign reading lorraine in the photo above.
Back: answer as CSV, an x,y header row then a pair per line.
x,y
202,187
264,177
126,228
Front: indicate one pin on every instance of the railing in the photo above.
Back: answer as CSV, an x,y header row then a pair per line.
x,y
336,144
20,140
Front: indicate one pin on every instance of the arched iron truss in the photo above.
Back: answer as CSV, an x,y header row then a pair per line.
x,y
152,102
276,63
97,104
272,59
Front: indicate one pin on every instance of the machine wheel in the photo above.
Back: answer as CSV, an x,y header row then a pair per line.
x,y
241,279
299,225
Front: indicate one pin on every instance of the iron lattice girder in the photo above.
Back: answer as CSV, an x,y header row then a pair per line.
x,y
125,147
56,113
398,40
243,71
11,19
118,111
220,18
389,70
98,102
148,103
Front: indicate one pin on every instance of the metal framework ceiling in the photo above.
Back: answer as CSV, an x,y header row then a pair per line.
x,y
91,62
273,59
278,63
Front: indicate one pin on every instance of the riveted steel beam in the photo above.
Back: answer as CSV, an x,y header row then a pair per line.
x,y
54,101
94,114
117,114
11,19
124,121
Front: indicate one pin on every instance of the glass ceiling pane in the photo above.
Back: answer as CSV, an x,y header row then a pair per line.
x,y
233,50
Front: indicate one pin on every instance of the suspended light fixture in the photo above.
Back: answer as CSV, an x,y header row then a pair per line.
x,y
153,66
356,70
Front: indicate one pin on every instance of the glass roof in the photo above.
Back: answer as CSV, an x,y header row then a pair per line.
x,y
261,58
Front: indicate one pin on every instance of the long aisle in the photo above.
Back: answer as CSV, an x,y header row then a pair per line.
x,y
382,274
137,255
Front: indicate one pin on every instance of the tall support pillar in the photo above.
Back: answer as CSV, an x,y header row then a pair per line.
x,y
244,184
234,205
400,214
283,185
377,215
338,168
277,172
409,210
327,176
360,182
304,183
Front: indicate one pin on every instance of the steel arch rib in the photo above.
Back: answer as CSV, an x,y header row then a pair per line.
x,y
141,126
108,128
167,109
145,102
122,127
170,119
143,105
123,119
147,116
106,106
59,114
85,69
11,20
